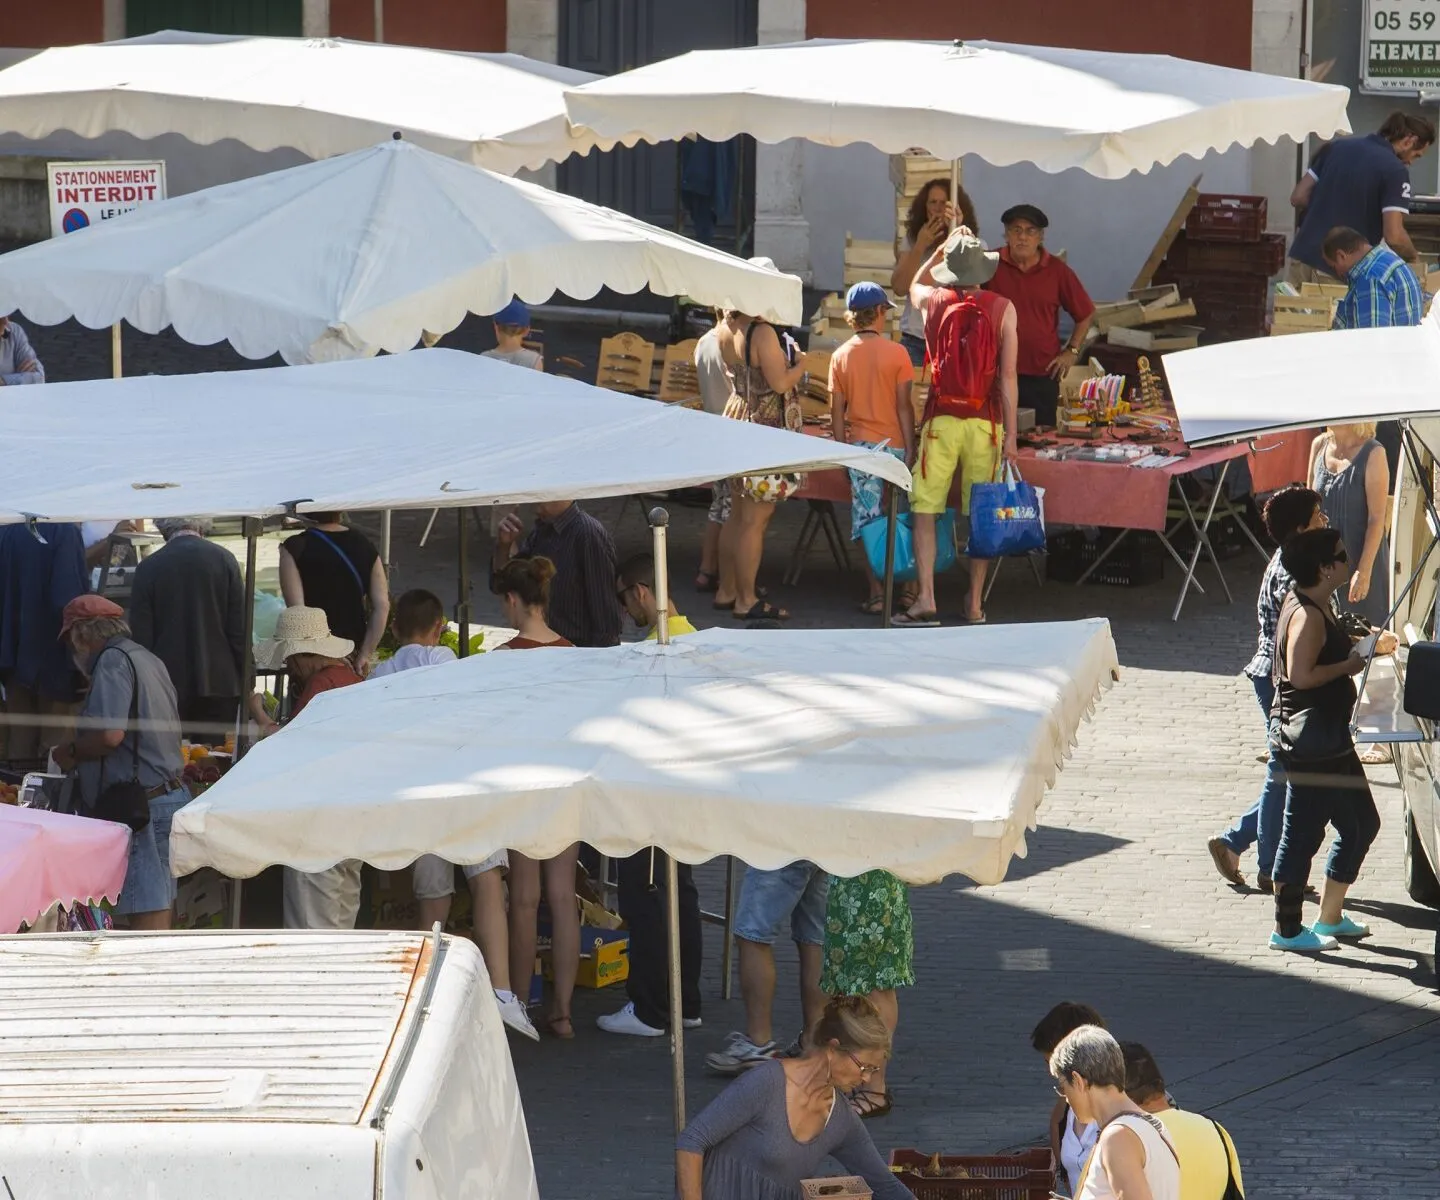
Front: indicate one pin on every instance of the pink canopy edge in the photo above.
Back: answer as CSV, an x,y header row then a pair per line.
x,y
48,857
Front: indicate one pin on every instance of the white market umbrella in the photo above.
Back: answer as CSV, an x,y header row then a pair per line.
x,y
323,96
856,749
1238,390
1106,113
441,428
361,253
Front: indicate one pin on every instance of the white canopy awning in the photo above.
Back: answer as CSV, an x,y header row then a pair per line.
x,y
433,428
923,753
364,252
323,96
1237,390
1107,113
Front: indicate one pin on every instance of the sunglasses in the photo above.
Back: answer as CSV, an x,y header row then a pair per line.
x,y
1340,557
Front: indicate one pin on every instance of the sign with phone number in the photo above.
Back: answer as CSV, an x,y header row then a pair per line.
x,y
1401,50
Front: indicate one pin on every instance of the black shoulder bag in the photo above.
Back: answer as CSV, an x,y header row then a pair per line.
x,y
128,802
1232,1189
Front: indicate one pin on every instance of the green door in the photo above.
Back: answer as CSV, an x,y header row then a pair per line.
x,y
280,18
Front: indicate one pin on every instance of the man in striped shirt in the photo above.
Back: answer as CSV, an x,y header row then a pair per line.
x,y
1383,289
583,606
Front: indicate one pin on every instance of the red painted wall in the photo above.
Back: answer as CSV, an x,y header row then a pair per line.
x,y
441,24
1215,31
33,26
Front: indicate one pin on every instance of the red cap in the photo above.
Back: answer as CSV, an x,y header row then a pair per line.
x,y
87,608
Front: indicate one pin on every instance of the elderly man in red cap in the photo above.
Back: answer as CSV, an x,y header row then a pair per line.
x,y
128,731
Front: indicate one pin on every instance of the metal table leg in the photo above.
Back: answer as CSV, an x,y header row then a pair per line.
x,y
726,921
1202,539
808,530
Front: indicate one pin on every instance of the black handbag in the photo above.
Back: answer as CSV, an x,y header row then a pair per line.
x,y
1232,1189
126,802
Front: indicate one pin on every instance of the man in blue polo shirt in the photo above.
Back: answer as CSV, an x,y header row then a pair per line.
x,y
1361,183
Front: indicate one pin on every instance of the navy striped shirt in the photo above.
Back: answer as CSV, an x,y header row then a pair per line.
x,y
583,604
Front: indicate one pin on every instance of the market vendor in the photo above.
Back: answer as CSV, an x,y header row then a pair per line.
x,y
1040,285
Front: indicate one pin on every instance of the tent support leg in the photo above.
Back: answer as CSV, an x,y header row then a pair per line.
x,y
116,357
385,541
242,719
462,604
677,1014
892,514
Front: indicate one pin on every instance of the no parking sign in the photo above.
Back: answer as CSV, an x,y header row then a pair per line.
x,y
85,193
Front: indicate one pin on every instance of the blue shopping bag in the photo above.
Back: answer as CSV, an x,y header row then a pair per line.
x,y
872,537
1006,517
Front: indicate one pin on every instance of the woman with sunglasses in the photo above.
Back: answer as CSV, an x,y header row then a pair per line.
x,y
1310,729
780,1121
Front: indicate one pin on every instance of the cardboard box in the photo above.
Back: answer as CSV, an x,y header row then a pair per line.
x,y
604,956
392,903
202,901
837,1187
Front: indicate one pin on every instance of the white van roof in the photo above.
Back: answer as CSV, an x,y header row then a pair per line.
x,y
211,1026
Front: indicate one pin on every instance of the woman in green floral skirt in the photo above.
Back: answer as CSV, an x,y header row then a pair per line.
x,y
869,951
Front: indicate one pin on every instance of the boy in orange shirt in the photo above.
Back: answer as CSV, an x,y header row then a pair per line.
x,y
870,382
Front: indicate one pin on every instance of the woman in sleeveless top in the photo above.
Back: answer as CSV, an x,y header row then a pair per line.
x,y
1134,1156
336,569
1348,469
1310,729
764,393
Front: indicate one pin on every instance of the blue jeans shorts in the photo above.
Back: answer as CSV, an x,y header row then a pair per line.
x,y
149,886
797,891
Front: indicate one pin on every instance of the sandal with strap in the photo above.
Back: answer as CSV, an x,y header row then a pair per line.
x,y
867,1103
762,612
561,1028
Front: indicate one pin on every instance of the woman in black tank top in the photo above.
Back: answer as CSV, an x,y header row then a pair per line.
x,y
1310,730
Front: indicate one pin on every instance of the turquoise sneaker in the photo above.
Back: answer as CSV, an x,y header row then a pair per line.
x,y
1345,927
1307,941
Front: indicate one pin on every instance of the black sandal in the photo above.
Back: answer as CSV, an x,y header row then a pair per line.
x,y
762,612
723,606
869,1104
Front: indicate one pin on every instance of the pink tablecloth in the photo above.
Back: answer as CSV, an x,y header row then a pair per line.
x,y
47,857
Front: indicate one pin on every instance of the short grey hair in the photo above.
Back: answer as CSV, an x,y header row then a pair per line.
x,y
170,526
100,629
1093,1055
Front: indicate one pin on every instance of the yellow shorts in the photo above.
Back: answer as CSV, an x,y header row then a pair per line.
x,y
970,445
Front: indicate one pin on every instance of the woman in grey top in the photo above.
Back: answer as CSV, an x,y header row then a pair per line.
x,y
780,1121
1348,469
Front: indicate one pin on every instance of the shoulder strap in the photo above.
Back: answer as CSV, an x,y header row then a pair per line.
x,y
745,350
1095,1153
1157,1125
1230,1185
345,558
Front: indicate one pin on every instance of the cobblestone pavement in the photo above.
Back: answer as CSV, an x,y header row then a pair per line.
x,y
1323,1070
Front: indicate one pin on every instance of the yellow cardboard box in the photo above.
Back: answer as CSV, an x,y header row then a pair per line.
x,y
604,956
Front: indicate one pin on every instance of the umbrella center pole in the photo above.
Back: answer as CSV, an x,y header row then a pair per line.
x,y
659,522
117,366
462,603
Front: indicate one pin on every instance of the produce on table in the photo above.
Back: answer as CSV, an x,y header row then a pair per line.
x,y
9,793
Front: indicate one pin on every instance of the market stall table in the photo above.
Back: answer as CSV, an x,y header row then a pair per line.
x,y
52,858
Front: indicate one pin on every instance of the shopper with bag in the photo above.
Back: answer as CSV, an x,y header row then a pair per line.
x,y
767,374
969,426
1310,731
125,756
870,383
338,570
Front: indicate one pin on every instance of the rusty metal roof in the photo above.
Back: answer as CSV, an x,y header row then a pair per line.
x,y
292,1026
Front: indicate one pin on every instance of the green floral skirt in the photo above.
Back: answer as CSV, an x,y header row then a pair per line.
x,y
869,936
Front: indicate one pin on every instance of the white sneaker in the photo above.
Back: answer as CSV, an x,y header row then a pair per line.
x,y
625,1021
740,1054
691,1022
513,1013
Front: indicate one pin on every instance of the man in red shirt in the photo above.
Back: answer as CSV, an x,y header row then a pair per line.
x,y
316,662
1040,285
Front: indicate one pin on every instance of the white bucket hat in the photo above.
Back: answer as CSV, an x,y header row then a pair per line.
x,y
301,631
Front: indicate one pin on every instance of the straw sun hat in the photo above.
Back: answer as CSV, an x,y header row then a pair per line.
x,y
301,631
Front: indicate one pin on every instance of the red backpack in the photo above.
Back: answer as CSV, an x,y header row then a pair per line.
x,y
963,350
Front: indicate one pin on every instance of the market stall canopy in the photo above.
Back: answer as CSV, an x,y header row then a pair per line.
x,y
434,428
1108,114
364,252
323,96
53,858
1238,390
926,755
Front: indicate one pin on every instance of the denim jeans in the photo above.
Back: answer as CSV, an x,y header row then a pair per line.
x,y
1262,821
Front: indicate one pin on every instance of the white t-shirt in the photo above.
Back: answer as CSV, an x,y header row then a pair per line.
x,y
523,357
412,656
712,374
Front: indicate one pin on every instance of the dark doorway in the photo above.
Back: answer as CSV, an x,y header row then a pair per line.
x,y
610,36
277,18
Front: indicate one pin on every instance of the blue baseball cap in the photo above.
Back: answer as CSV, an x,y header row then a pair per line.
x,y
867,295
516,313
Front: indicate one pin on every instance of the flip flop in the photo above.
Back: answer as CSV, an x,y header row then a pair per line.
x,y
907,620
760,593
874,606
762,612
867,1103
980,620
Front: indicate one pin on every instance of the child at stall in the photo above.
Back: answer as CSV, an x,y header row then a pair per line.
x,y
512,327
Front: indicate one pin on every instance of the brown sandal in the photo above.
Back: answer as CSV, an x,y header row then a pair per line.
x,y
869,1104
555,1024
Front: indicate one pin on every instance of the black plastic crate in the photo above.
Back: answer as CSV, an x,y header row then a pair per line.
x,y
1137,561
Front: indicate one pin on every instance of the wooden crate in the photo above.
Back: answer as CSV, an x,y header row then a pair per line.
x,y
1303,314
1157,338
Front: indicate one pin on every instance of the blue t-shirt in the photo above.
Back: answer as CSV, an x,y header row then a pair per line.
x,y
1357,181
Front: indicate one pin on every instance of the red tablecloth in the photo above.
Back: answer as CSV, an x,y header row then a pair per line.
x,y
1117,494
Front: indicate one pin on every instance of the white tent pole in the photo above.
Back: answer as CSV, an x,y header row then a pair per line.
x,y
379,20
385,541
116,370
955,196
659,520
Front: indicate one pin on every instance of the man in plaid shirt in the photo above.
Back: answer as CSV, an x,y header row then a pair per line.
x,y
1383,289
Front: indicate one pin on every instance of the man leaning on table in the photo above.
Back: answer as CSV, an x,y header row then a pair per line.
x,y
18,363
